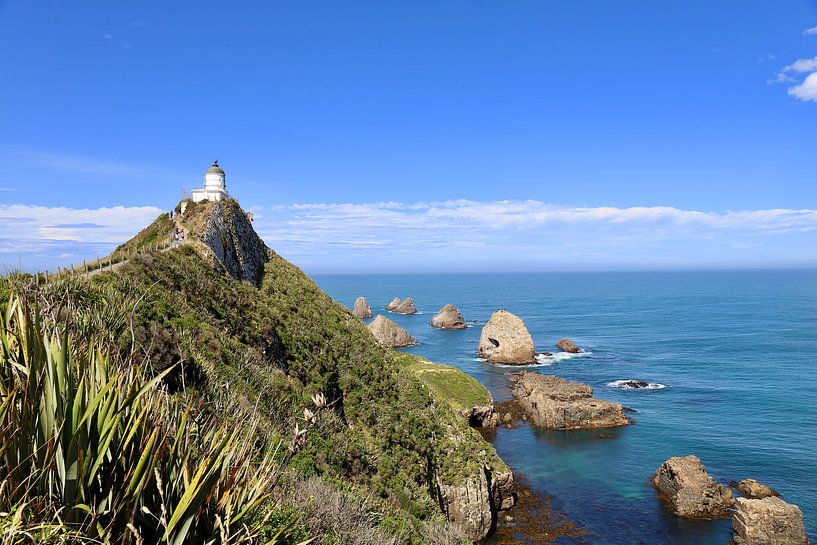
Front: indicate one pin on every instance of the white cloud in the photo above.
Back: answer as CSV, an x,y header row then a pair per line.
x,y
812,30
807,90
801,66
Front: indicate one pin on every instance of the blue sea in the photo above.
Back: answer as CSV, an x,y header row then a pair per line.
x,y
736,352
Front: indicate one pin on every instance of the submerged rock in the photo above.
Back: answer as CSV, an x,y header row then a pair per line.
x,y
555,403
406,306
505,339
566,345
362,309
750,488
688,491
389,333
448,317
767,521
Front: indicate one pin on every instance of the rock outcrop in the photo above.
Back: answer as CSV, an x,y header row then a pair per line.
x,y
389,333
750,488
234,242
689,492
448,317
767,521
481,416
505,339
362,309
472,506
566,345
406,306
555,403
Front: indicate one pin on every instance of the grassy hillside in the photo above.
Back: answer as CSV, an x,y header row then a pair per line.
x,y
391,431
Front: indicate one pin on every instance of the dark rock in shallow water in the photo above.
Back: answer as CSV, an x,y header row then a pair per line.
x,y
689,492
750,488
634,384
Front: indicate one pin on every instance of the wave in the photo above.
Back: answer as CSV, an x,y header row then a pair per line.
x,y
632,384
548,358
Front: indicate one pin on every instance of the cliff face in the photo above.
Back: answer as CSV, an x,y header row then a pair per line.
x,y
236,245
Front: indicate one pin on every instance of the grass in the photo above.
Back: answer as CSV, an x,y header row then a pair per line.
x,y
459,389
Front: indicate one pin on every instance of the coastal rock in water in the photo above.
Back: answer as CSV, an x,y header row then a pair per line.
x,y
362,309
406,306
750,488
472,505
505,339
389,333
767,521
566,345
555,403
689,492
448,317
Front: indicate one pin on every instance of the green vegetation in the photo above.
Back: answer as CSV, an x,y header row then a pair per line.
x,y
235,356
459,389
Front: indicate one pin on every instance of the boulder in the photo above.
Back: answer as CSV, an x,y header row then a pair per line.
x,y
689,492
767,521
406,306
566,345
750,488
389,333
555,403
362,309
448,317
505,339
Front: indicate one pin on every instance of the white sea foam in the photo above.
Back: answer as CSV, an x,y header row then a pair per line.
x,y
556,357
624,385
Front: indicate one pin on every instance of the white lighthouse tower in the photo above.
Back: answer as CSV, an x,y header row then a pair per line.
x,y
215,185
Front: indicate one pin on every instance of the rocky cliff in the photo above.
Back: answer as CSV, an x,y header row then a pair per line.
x,y
234,243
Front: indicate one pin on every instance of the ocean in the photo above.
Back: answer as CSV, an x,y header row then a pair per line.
x,y
733,356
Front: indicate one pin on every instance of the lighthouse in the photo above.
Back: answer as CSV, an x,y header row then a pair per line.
x,y
215,185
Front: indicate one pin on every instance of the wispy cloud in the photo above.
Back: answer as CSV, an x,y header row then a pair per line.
x,y
810,31
531,233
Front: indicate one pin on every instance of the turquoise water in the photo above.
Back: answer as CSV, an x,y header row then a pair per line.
x,y
737,352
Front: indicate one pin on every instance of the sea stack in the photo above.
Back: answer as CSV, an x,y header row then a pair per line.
x,y
406,306
566,345
555,403
448,317
767,521
689,492
362,309
389,333
505,339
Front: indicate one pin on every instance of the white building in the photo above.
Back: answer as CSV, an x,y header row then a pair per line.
x,y
215,185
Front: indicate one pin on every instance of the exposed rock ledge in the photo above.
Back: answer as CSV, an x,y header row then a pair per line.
x,y
406,306
750,488
566,345
362,309
555,403
234,242
389,333
767,521
689,492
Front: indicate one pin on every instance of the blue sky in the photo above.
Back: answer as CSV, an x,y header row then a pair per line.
x,y
377,136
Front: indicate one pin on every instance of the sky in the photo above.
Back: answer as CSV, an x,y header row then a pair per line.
x,y
419,136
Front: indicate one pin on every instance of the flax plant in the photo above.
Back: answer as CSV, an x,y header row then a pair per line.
x,y
97,452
